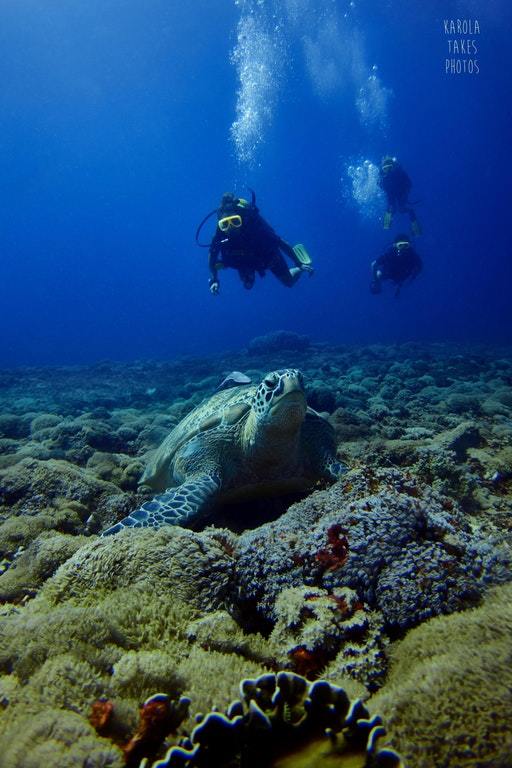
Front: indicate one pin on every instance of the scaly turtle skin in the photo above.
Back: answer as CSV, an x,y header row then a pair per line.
x,y
240,442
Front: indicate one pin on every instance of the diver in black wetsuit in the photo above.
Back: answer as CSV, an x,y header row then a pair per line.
x,y
397,185
244,241
398,263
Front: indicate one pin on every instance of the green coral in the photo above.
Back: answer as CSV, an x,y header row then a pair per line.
x,y
448,698
112,623
55,737
65,682
42,630
213,678
195,568
66,655
218,631
19,530
35,564
138,672
116,468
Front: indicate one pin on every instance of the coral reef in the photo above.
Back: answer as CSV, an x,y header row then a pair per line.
x,y
105,627
420,527
159,716
119,645
196,568
278,341
56,737
282,720
328,633
448,698
408,552
36,563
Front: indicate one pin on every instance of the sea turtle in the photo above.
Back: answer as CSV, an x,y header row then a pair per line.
x,y
241,441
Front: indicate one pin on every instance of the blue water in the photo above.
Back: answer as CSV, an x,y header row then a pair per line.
x,y
119,131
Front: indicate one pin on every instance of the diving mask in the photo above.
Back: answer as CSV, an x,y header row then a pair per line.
x,y
402,244
226,223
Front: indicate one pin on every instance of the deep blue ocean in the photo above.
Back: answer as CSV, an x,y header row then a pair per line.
x,y
122,123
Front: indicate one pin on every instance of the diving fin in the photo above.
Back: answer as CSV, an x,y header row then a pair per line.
x,y
388,218
302,255
415,227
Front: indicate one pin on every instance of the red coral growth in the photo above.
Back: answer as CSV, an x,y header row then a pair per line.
x,y
372,481
101,714
409,489
226,545
156,722
307,663
341,604
335,554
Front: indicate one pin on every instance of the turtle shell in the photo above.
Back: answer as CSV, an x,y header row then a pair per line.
x,y
224,408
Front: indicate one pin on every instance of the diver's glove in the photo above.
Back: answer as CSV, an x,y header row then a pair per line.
x,y
214,286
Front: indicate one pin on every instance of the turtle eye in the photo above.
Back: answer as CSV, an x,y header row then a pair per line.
x,y
270,382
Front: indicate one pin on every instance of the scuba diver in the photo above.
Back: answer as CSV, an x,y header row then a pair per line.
x,y
244,241
398,263
396,184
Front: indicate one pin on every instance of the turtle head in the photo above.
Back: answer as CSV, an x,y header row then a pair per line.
x,y
279,404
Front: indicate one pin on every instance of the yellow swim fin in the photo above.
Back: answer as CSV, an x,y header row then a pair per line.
x,y
388,218
302,255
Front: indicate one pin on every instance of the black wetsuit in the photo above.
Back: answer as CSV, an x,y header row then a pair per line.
x,y
253,247
397,185
397,265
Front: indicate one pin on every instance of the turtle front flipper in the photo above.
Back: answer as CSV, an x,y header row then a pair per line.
x,y
176,506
